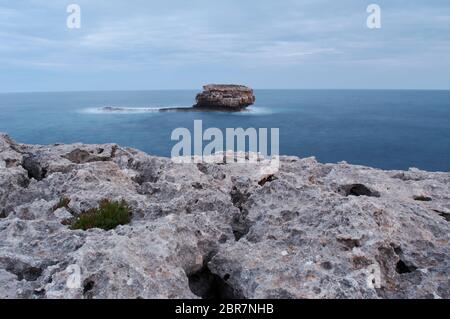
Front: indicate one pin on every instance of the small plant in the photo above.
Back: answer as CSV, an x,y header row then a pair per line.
x,y
107,216
63,203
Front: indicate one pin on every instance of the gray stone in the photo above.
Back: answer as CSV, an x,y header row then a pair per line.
x,y
310,230
225,97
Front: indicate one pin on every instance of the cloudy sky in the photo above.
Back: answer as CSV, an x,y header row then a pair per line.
x,y
179,44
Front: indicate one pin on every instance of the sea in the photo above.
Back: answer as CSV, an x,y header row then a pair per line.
x,y
387,129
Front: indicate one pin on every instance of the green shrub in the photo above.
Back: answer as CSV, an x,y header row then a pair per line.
x,y
108,216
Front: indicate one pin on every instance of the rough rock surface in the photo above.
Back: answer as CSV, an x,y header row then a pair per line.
x,y
218,230
226,97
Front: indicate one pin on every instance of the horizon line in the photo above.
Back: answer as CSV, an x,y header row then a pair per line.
x,y
259,89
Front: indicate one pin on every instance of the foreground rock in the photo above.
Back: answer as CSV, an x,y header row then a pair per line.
x,y
225,97
204,230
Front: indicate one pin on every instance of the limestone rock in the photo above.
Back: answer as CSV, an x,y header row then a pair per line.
x,y
225,97
310,230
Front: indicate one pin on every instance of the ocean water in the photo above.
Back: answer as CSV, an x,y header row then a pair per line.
x,y
384,129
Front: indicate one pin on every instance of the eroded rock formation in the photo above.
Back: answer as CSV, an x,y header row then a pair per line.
x,y
206,230
225,97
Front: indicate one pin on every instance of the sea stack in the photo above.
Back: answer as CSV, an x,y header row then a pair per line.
x,y
228,97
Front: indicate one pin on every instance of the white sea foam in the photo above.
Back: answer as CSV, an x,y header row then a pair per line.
x,y
129,110
252,110
155,109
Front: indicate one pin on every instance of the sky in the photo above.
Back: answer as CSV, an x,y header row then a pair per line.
x,y
179,44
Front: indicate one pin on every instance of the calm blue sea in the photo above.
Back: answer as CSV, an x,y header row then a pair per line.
x,y
384,129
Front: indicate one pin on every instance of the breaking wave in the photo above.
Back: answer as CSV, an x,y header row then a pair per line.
x,y
133,110
142,110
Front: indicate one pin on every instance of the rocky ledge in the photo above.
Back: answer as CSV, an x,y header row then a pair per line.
x,y
310,230
225,97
